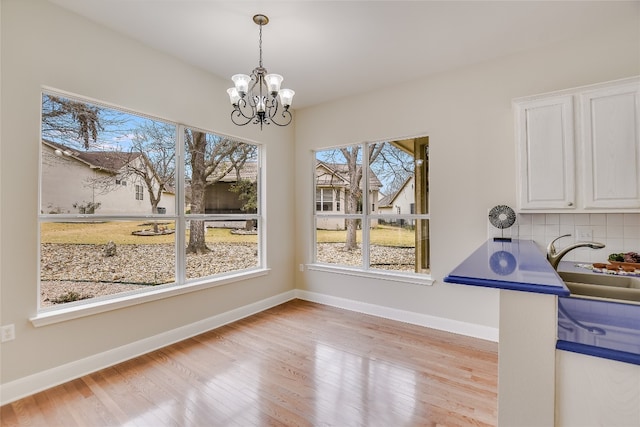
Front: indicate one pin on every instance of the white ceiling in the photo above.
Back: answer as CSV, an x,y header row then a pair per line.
x,y
330,49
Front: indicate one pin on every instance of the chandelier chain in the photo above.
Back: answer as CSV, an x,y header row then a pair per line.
x,y
260,46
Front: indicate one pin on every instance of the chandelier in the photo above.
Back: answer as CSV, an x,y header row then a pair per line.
x,y
258,98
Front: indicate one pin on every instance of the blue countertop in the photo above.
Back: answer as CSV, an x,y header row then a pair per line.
x,y
597,327
517,265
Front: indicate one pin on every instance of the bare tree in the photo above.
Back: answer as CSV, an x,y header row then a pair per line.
x,y
209,159
157,143
393,166
150,158
349,156
65,117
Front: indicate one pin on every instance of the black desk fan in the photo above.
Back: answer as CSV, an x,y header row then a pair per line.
x,y
502,216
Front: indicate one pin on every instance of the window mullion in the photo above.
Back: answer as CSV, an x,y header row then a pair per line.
x,y
181,226
365,207
261,211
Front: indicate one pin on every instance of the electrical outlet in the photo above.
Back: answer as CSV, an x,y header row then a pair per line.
x,y
301,267
8,333
584,233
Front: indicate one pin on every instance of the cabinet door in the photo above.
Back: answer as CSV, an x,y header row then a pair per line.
x,y
591,391
611,144
545,147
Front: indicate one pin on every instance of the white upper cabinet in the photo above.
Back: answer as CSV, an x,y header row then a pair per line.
x,y
545,153
610,136
579,149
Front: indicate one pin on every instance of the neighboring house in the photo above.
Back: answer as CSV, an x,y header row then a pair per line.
x,y
76,181
332,189
402,201
219,199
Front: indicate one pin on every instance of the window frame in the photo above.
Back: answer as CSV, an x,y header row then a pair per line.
x,y
73,310
364,215
323,201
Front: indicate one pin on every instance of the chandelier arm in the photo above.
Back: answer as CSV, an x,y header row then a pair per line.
x,y
255,81
247,106
272,107
287,117
236,113
271,113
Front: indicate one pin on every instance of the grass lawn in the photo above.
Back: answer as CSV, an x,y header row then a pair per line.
x,y
383,235
99,233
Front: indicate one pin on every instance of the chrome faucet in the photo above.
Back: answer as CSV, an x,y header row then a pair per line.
x,y
554,257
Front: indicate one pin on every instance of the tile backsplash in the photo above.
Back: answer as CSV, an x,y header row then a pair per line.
x,y
619,232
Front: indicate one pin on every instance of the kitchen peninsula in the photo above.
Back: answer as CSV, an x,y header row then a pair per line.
x,y
529,288
529,368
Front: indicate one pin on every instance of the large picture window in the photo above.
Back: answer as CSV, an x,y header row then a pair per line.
x,y
391,178
119,214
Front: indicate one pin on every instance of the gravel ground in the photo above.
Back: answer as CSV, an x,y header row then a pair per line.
x,y
382,257
87,272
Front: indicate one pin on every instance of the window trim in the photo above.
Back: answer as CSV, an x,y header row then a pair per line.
x,y
78,309
365,270
71,311
389,275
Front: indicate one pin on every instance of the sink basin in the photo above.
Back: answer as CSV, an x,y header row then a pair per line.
x,y
608,286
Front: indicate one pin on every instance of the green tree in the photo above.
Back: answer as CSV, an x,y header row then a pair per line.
x,y
247,191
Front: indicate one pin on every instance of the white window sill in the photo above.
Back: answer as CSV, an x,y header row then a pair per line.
x,y
54,315
416,279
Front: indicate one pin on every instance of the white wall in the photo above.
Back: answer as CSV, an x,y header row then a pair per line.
x,y
468,118
43,45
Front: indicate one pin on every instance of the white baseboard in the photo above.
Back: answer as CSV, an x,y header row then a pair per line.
x,y
31,384
449,325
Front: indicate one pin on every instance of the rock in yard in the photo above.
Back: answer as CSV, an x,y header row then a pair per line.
x,y
109,249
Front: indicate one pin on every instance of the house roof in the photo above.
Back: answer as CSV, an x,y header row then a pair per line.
x,y
387,201
248,171
109,161
338,175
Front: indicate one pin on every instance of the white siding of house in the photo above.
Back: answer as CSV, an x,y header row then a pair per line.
x,y
67,181
328,223
64,182
403,200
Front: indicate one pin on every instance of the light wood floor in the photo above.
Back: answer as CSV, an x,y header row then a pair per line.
x,y
298,364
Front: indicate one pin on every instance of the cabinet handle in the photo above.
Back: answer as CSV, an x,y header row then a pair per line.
x,y
570,204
